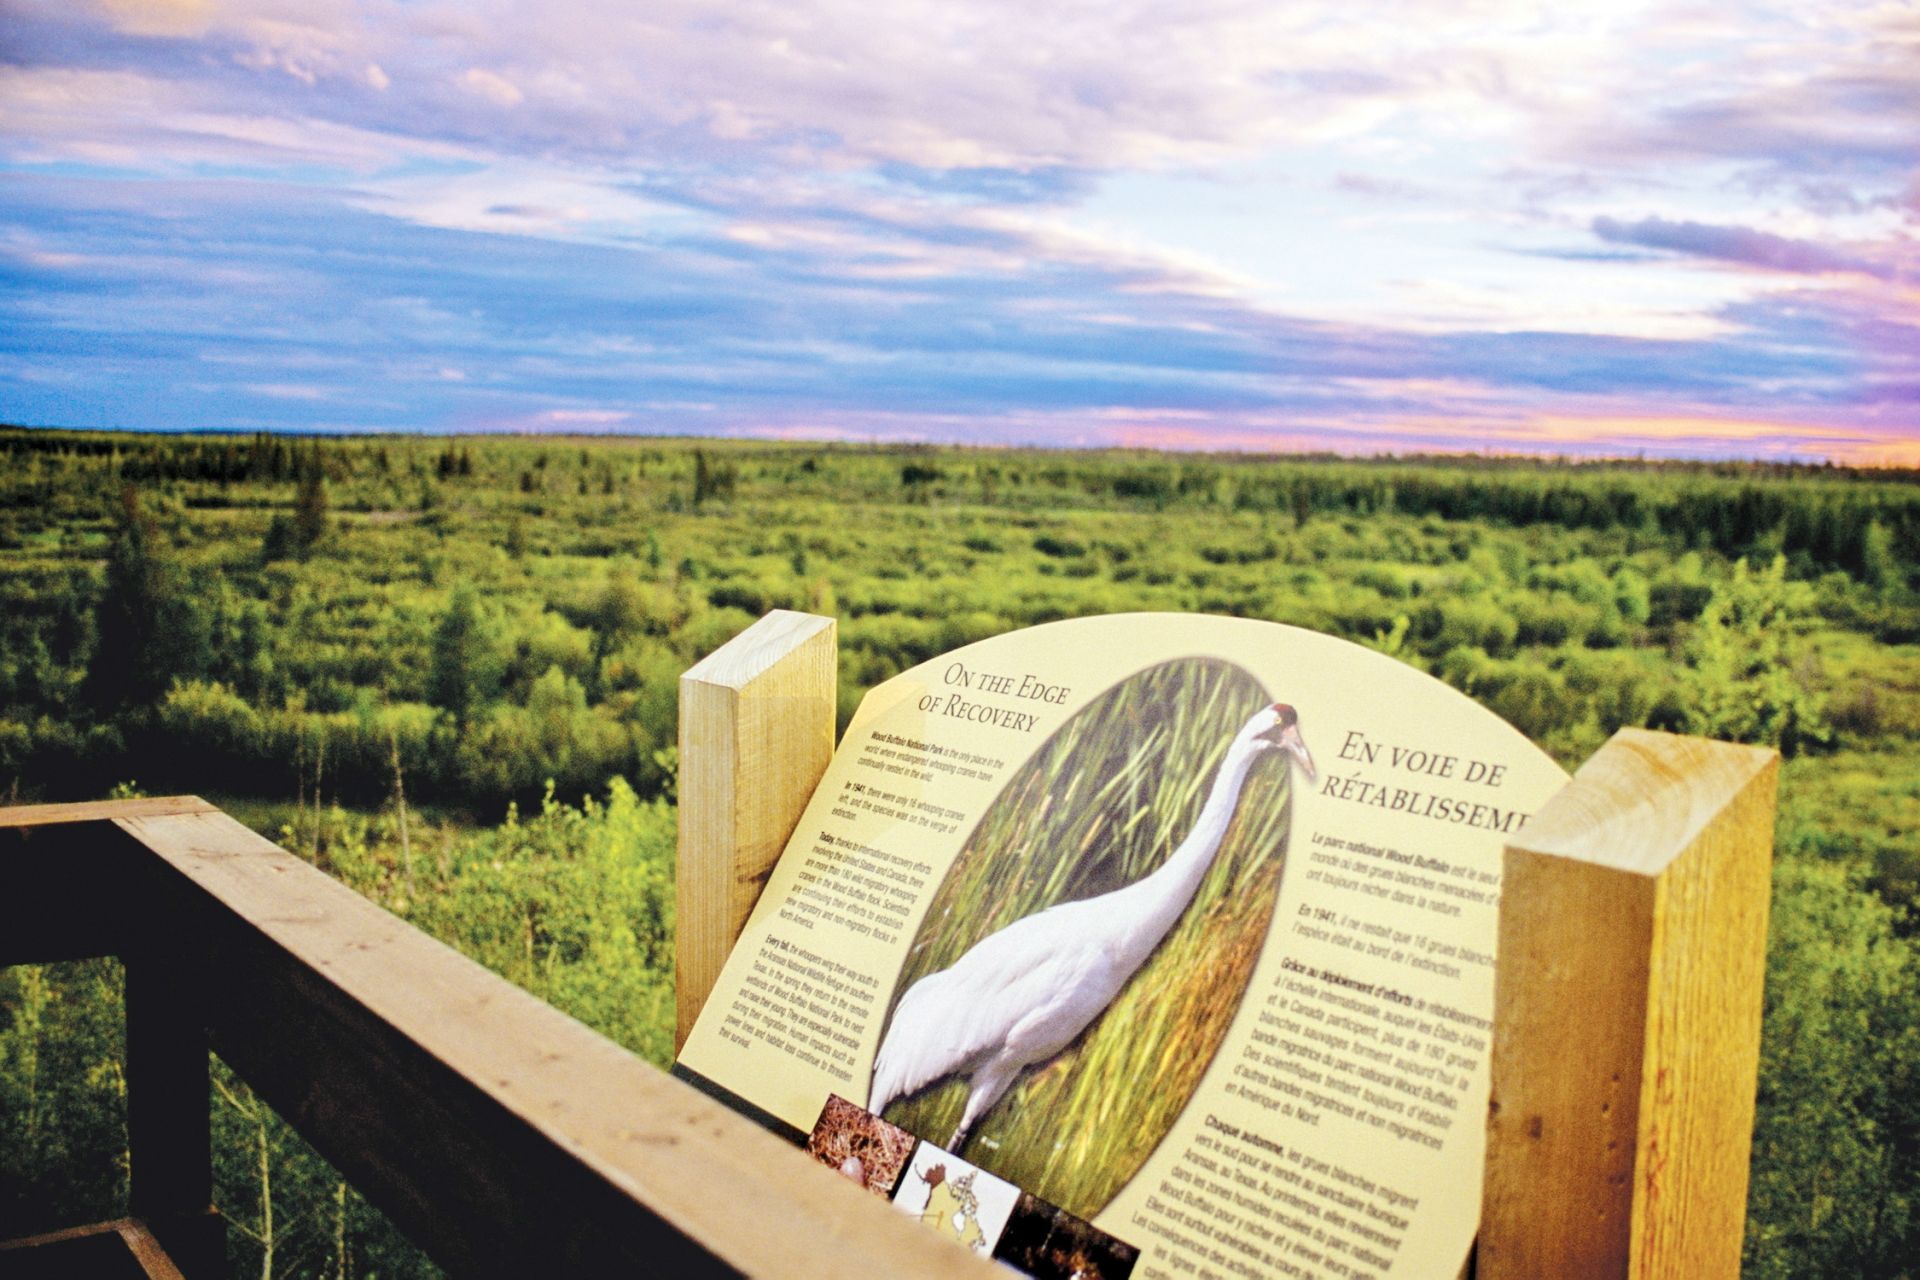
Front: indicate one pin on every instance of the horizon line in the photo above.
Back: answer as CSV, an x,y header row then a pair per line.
x,y
1541,457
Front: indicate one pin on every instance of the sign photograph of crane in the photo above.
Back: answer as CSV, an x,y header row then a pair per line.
x,y
1081,962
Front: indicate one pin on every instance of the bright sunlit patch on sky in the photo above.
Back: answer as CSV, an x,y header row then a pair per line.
x,y
1579,228
1365,250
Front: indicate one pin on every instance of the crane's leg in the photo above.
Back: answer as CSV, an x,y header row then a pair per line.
x,y
988,1083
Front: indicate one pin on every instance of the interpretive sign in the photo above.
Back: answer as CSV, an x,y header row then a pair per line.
x,y
1150,944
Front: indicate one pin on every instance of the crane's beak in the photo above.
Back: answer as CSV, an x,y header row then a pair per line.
x,y
1288,739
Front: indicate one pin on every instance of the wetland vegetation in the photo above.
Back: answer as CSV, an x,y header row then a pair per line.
x,y
444,670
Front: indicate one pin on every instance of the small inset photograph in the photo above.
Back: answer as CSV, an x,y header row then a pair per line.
x,y
956,1199
1048,1243
862,1146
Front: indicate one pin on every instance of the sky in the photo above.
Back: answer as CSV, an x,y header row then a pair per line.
x,y
1621,228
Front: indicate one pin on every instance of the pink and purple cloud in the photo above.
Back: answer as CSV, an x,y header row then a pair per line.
x,y
1497,224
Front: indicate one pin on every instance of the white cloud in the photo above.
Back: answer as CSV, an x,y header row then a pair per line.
x,y
495,88
521,198
1117,85
133,120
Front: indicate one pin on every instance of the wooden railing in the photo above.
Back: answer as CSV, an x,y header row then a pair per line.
x,y
506,1138
502,1136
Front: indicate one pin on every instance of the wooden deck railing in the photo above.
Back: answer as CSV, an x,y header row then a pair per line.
x,y
501,1135
508,1139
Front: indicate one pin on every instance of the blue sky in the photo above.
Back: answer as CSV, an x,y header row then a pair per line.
x,y
1664,228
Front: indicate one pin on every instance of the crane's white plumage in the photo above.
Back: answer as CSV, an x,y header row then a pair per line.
x,y
1021,995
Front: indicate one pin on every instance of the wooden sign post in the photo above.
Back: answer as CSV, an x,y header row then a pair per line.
x,y
1632,959
1633,938
756,732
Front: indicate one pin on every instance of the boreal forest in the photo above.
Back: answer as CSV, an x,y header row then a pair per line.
x,y
444,671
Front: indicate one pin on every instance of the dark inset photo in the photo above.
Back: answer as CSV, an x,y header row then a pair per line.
x,y
860,1145
1048,1243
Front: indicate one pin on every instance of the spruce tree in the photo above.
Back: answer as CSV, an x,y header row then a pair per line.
x,y
310,503
149,629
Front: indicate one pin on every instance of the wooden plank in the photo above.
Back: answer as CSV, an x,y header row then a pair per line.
x,y
154,1260
1626,1042
74,887
756,733
122,1249
502,1135
21,816
53,864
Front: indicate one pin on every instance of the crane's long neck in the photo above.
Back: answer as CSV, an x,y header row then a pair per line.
x,y
1162,896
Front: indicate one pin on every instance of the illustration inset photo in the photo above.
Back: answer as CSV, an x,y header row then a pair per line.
x,y
1083,958
958,1200
1048,1243
860,1145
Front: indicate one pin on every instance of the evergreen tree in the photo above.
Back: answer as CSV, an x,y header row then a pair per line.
x,y
278,544
149,629
711,479
310,503
618,615
1879,565
467,666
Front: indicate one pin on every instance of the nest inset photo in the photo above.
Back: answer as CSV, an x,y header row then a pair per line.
x,y
860,1145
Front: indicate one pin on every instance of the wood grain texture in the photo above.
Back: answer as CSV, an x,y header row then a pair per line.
x,y
1632,954
756,733
502,1135
154,1260
23,816
124,1247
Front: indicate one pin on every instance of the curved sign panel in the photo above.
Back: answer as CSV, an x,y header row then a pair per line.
x,y
1181,925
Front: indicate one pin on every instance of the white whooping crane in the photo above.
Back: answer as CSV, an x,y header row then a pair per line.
x,y
1021,995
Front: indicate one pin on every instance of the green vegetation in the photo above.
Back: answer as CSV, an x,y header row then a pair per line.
x,y
371,648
